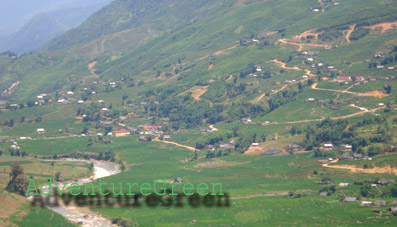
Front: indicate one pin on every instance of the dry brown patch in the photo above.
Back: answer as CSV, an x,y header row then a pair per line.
x,y
211,66
385,169
11,204
199,92
255,150
384,26
376,93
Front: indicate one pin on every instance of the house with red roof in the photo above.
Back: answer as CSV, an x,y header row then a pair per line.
x,y
344,78
121,133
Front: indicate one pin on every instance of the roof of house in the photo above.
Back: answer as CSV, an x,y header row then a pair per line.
x,y
121,131
350,199
344,77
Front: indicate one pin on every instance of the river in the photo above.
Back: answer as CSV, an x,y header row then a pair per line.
x,y
83,215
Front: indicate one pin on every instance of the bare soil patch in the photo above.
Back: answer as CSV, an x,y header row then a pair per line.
x,y
384,26
374,170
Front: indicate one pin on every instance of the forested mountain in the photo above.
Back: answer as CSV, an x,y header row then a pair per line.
x,y
154,16
42,27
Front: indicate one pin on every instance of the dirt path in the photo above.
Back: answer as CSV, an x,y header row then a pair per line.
x,y
217,53
332,118
176,144
383,26
376,94
203,90
306,34
355,169
282,64
92,71
301,45
349,32
282,88
213,128
358,113
230,77
259,98
91,67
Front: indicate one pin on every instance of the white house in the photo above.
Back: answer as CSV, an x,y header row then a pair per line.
x,y
255,144
70,93
40,130
381,104
80,102
343,184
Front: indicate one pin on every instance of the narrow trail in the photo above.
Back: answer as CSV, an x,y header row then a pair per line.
x,y
354,169
217,53
301,45
306,34
377,94
176,144
332,118
282,88
349,32
358,113
283,64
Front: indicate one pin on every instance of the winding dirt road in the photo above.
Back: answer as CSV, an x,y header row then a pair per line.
x,y
349,32
301,45
377,94
176,144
